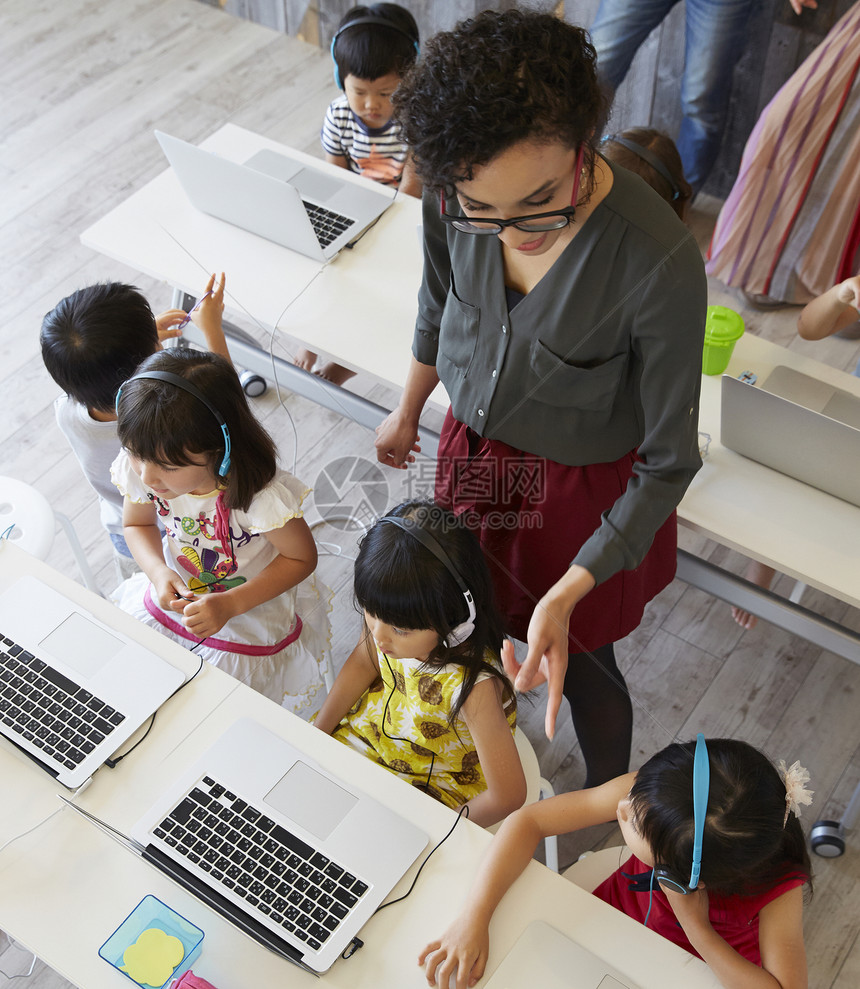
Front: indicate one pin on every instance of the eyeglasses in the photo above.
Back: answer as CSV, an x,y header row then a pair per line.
x,y
532,223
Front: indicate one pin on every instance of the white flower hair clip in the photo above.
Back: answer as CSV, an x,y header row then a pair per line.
x,y
795,778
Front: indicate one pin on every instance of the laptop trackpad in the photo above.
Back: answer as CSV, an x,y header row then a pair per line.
x,y
315,186
313,801
310,183
271,163
82,645
845,407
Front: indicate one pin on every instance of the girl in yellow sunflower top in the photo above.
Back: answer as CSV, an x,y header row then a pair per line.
x,y
423,693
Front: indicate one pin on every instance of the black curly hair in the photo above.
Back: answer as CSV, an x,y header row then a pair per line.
x,y
496,80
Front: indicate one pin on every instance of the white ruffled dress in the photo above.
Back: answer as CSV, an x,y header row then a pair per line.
x,y
280,647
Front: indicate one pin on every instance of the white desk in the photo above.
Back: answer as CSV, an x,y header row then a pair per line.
x,y
66,886
775,519
360,308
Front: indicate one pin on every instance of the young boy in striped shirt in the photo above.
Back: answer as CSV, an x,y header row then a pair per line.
x,y
372,49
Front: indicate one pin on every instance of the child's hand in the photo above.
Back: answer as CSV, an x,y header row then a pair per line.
x,y
690,909
207,315
204,616
170,588
461,951
167,324
849,292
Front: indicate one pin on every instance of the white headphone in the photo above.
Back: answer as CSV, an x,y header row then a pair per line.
x,y
458,635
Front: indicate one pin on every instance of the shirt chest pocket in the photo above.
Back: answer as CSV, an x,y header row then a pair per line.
x,y
565,385
458,332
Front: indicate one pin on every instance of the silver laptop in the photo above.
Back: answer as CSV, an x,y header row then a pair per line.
x,y
277,197
294,856
544,957
72,689
798,425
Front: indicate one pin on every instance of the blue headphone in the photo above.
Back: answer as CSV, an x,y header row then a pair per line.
x,y
383,22
701,786
461,632
180,382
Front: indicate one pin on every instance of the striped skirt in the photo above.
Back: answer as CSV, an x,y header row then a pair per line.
x,y
790,228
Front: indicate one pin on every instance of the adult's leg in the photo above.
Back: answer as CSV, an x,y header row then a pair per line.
x,y
602,713
716,36
619,28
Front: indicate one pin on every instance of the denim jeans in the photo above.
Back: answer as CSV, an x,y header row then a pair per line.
x,y
715,36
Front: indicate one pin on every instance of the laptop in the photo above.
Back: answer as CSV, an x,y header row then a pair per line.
x,y
798,425
277,196
72,689
294,856
544,957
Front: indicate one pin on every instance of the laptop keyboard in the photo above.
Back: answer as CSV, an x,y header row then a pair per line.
x,y
328,226
48,709
273,871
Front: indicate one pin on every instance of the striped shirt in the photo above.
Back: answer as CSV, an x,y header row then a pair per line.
x,y
376,153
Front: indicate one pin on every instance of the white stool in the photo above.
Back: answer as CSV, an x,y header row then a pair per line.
x,y
537,788
592,868
27,519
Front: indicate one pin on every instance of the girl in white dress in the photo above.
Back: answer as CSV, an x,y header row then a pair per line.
x,y
233,577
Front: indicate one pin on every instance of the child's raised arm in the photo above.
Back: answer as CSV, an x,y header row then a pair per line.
x,y
780,935
462,950
167,324
831,312
208,316
296,560
357,674
497,753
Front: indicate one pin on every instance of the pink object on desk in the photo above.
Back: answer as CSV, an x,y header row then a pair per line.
x,y
191,981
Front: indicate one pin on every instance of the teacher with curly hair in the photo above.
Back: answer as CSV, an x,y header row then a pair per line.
x,y
562,307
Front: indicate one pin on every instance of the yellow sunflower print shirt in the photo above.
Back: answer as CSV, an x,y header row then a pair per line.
x,y
421,700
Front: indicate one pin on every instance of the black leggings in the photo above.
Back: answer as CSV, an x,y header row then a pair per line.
x,y
601,711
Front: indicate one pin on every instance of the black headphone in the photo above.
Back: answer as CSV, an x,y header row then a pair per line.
x,y
180,382
650,158
701,786
369,19
461,632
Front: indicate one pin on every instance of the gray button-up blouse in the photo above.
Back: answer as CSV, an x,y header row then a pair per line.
x,y
602,357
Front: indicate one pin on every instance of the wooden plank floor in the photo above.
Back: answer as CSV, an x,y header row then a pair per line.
x,y
84,84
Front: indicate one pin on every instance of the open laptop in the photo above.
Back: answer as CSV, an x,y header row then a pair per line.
x,y
544,957
72,689
798,425
277,196
294,856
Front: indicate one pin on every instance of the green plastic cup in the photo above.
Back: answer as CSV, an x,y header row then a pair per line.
x,y
723,328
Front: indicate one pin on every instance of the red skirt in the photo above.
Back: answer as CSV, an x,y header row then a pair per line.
x,y
532,516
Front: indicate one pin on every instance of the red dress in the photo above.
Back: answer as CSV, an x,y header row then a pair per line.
x,y
734,918
532,516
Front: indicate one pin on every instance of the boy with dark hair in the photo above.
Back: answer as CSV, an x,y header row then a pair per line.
x,y
372,49
92,341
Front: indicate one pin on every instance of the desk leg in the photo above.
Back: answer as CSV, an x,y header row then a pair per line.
x,y
771,607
